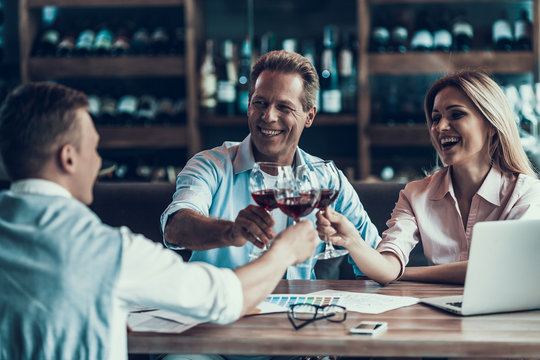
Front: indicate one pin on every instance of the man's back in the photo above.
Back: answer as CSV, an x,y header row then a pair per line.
x,y
57,275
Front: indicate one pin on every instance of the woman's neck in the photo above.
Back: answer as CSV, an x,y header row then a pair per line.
x,y
467,179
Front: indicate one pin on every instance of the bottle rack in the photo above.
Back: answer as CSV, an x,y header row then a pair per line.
x,y
369,135
112,137
377,135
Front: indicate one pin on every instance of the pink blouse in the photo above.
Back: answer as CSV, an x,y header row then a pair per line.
x,y
427,210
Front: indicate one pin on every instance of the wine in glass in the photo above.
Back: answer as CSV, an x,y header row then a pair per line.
x,y
330,186
262,181
297,192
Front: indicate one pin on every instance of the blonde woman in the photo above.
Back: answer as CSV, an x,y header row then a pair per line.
x,y
486,176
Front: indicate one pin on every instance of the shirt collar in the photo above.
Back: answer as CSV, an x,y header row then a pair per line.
x,y
489,190
39,187
245,159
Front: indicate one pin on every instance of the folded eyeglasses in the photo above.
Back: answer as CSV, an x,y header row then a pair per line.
x,y
307,313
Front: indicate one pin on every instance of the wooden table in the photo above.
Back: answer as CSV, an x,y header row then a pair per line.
x,y
414,331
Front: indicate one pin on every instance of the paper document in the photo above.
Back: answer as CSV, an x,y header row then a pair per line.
x,y
154,320
369,303
360,302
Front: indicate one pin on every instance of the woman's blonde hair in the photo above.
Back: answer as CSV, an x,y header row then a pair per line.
x,y
504,146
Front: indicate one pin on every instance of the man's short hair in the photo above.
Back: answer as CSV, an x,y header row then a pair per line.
x,y
36,120
289,63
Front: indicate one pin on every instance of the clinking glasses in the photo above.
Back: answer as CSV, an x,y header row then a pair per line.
x,y
306,314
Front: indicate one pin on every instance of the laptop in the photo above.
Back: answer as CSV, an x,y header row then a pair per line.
x,y
503,273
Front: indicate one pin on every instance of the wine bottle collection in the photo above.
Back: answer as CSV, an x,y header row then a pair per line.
x,y
107,37
437,31
130,110
226,67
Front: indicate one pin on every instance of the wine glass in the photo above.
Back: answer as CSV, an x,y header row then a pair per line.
x,y
262,181
297,192
330,185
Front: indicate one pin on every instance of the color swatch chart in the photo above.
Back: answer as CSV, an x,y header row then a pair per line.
x,y
286,300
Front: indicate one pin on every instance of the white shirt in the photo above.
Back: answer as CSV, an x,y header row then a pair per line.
x,y
152,275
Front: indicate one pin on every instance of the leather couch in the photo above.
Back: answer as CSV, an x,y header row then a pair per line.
x,y
139,206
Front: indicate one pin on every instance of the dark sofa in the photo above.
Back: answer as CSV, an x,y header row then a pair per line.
x,y
139,206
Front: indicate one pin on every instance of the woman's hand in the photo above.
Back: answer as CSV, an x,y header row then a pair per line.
x,y
338,228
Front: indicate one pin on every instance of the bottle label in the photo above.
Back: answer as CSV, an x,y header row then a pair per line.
x,y
226,92
208,85
501,30
331,101
463,28
442,38
345,63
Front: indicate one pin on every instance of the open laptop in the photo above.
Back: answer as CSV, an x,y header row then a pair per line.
x,y
503,273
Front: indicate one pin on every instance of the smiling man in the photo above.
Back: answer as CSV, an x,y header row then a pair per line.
x,y
212,212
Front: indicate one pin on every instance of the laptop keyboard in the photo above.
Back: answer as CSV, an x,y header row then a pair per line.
x,y
456,304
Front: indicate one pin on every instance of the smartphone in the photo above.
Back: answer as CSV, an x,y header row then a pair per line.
x,y
369,328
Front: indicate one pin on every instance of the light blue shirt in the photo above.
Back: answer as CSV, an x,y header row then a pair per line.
x,y
215,183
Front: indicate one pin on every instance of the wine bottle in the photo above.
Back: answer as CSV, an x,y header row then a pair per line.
x,y
289,45
442,37
422,39
347,72
107,112
309,51
178,46
268,42
523,32
208,78
180,111
242,99
140,42
330,92
502,34
462,33
146,110
66,45
159,41
85,42
399,37
48,40
103,41
227,77
121,42
94,108
164,111
380,36
127,109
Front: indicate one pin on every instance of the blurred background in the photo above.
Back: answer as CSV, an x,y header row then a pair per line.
x,y
168,78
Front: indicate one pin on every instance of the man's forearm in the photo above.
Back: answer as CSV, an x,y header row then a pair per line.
x,y
193,231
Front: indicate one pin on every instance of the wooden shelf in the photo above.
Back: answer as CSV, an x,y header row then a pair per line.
x,y
132,66
103,3
118,137
436,62
399,135
241,120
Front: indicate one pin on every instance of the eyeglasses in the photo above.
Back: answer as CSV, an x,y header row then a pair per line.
x,y
309,313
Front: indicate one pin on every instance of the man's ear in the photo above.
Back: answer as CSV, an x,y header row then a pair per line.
x,y
67,158
311,116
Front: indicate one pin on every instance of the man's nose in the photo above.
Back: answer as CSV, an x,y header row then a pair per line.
x,y
270,114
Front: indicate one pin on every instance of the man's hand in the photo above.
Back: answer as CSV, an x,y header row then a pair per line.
x,y
253,224
338,228
298,240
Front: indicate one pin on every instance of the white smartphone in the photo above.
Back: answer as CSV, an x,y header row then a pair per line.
x,y
369,328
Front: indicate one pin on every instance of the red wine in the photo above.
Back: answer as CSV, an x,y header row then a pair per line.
x,y
297,206
265,199
327,197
